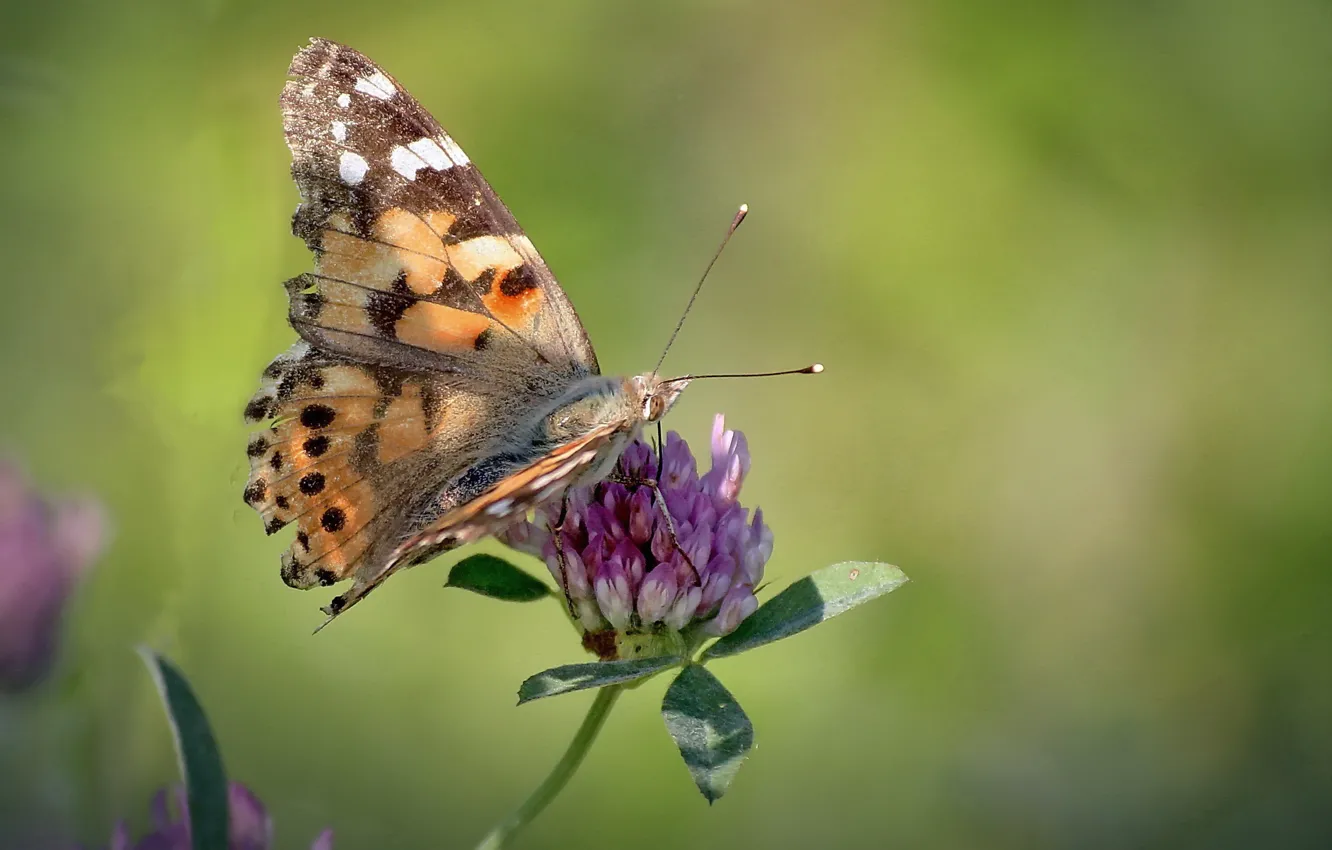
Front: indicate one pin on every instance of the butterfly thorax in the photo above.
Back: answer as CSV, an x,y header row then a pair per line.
x,y
616,408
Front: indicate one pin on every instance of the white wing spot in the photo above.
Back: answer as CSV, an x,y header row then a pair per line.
x,y
339,131
376,85
344,100
455,153
405,162
352,168
432,153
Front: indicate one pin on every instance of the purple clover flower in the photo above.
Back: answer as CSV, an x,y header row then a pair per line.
x,y
615,560
45,548
251,827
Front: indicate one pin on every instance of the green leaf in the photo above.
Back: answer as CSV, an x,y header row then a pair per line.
x,y
596,674
196,749
709,727
496,578
818,596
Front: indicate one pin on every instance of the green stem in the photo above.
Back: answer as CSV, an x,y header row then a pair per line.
x,y
560,775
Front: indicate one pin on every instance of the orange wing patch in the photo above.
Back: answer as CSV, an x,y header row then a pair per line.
x,y
435,327
406,282
513,298
399,243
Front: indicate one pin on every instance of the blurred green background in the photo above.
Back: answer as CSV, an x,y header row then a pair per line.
x,y
1068,266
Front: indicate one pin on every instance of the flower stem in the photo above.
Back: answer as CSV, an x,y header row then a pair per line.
x,y
560,775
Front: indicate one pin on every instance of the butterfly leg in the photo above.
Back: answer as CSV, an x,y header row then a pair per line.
x,y
660,499
564,511
558,538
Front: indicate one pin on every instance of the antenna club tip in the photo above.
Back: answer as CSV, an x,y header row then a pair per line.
x,y
815,369
744,208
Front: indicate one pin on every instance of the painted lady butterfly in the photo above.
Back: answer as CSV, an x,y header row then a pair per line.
x,y
443,385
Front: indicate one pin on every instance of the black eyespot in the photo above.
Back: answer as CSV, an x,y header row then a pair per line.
x,y
333,520
325,577
308,304
317,416
312,483
257,409
287,385
518,281
254,494
293,572
316,446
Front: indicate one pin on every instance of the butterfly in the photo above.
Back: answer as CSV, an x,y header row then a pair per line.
x,y
443,385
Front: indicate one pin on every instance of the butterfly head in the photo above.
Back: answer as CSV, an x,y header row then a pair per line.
x,y
656,396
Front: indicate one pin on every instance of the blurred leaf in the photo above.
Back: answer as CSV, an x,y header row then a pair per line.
x,y
597,674
709,727
818,596
200,761
496,578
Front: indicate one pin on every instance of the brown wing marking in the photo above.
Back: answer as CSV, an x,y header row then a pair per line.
x,y
492,511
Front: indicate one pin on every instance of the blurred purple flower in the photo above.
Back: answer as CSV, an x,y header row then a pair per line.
x,y
251,827
45,548
614,557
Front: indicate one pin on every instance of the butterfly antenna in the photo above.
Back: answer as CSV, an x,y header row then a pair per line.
x,y
811,369
735,223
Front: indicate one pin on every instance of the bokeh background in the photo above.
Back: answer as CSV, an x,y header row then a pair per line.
x,y
1067,265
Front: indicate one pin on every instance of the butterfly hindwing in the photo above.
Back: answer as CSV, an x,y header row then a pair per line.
x,y
418,263
348,446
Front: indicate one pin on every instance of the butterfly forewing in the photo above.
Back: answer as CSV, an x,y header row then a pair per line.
x,y
418,262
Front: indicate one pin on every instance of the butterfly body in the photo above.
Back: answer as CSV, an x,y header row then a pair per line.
x,y
443,386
